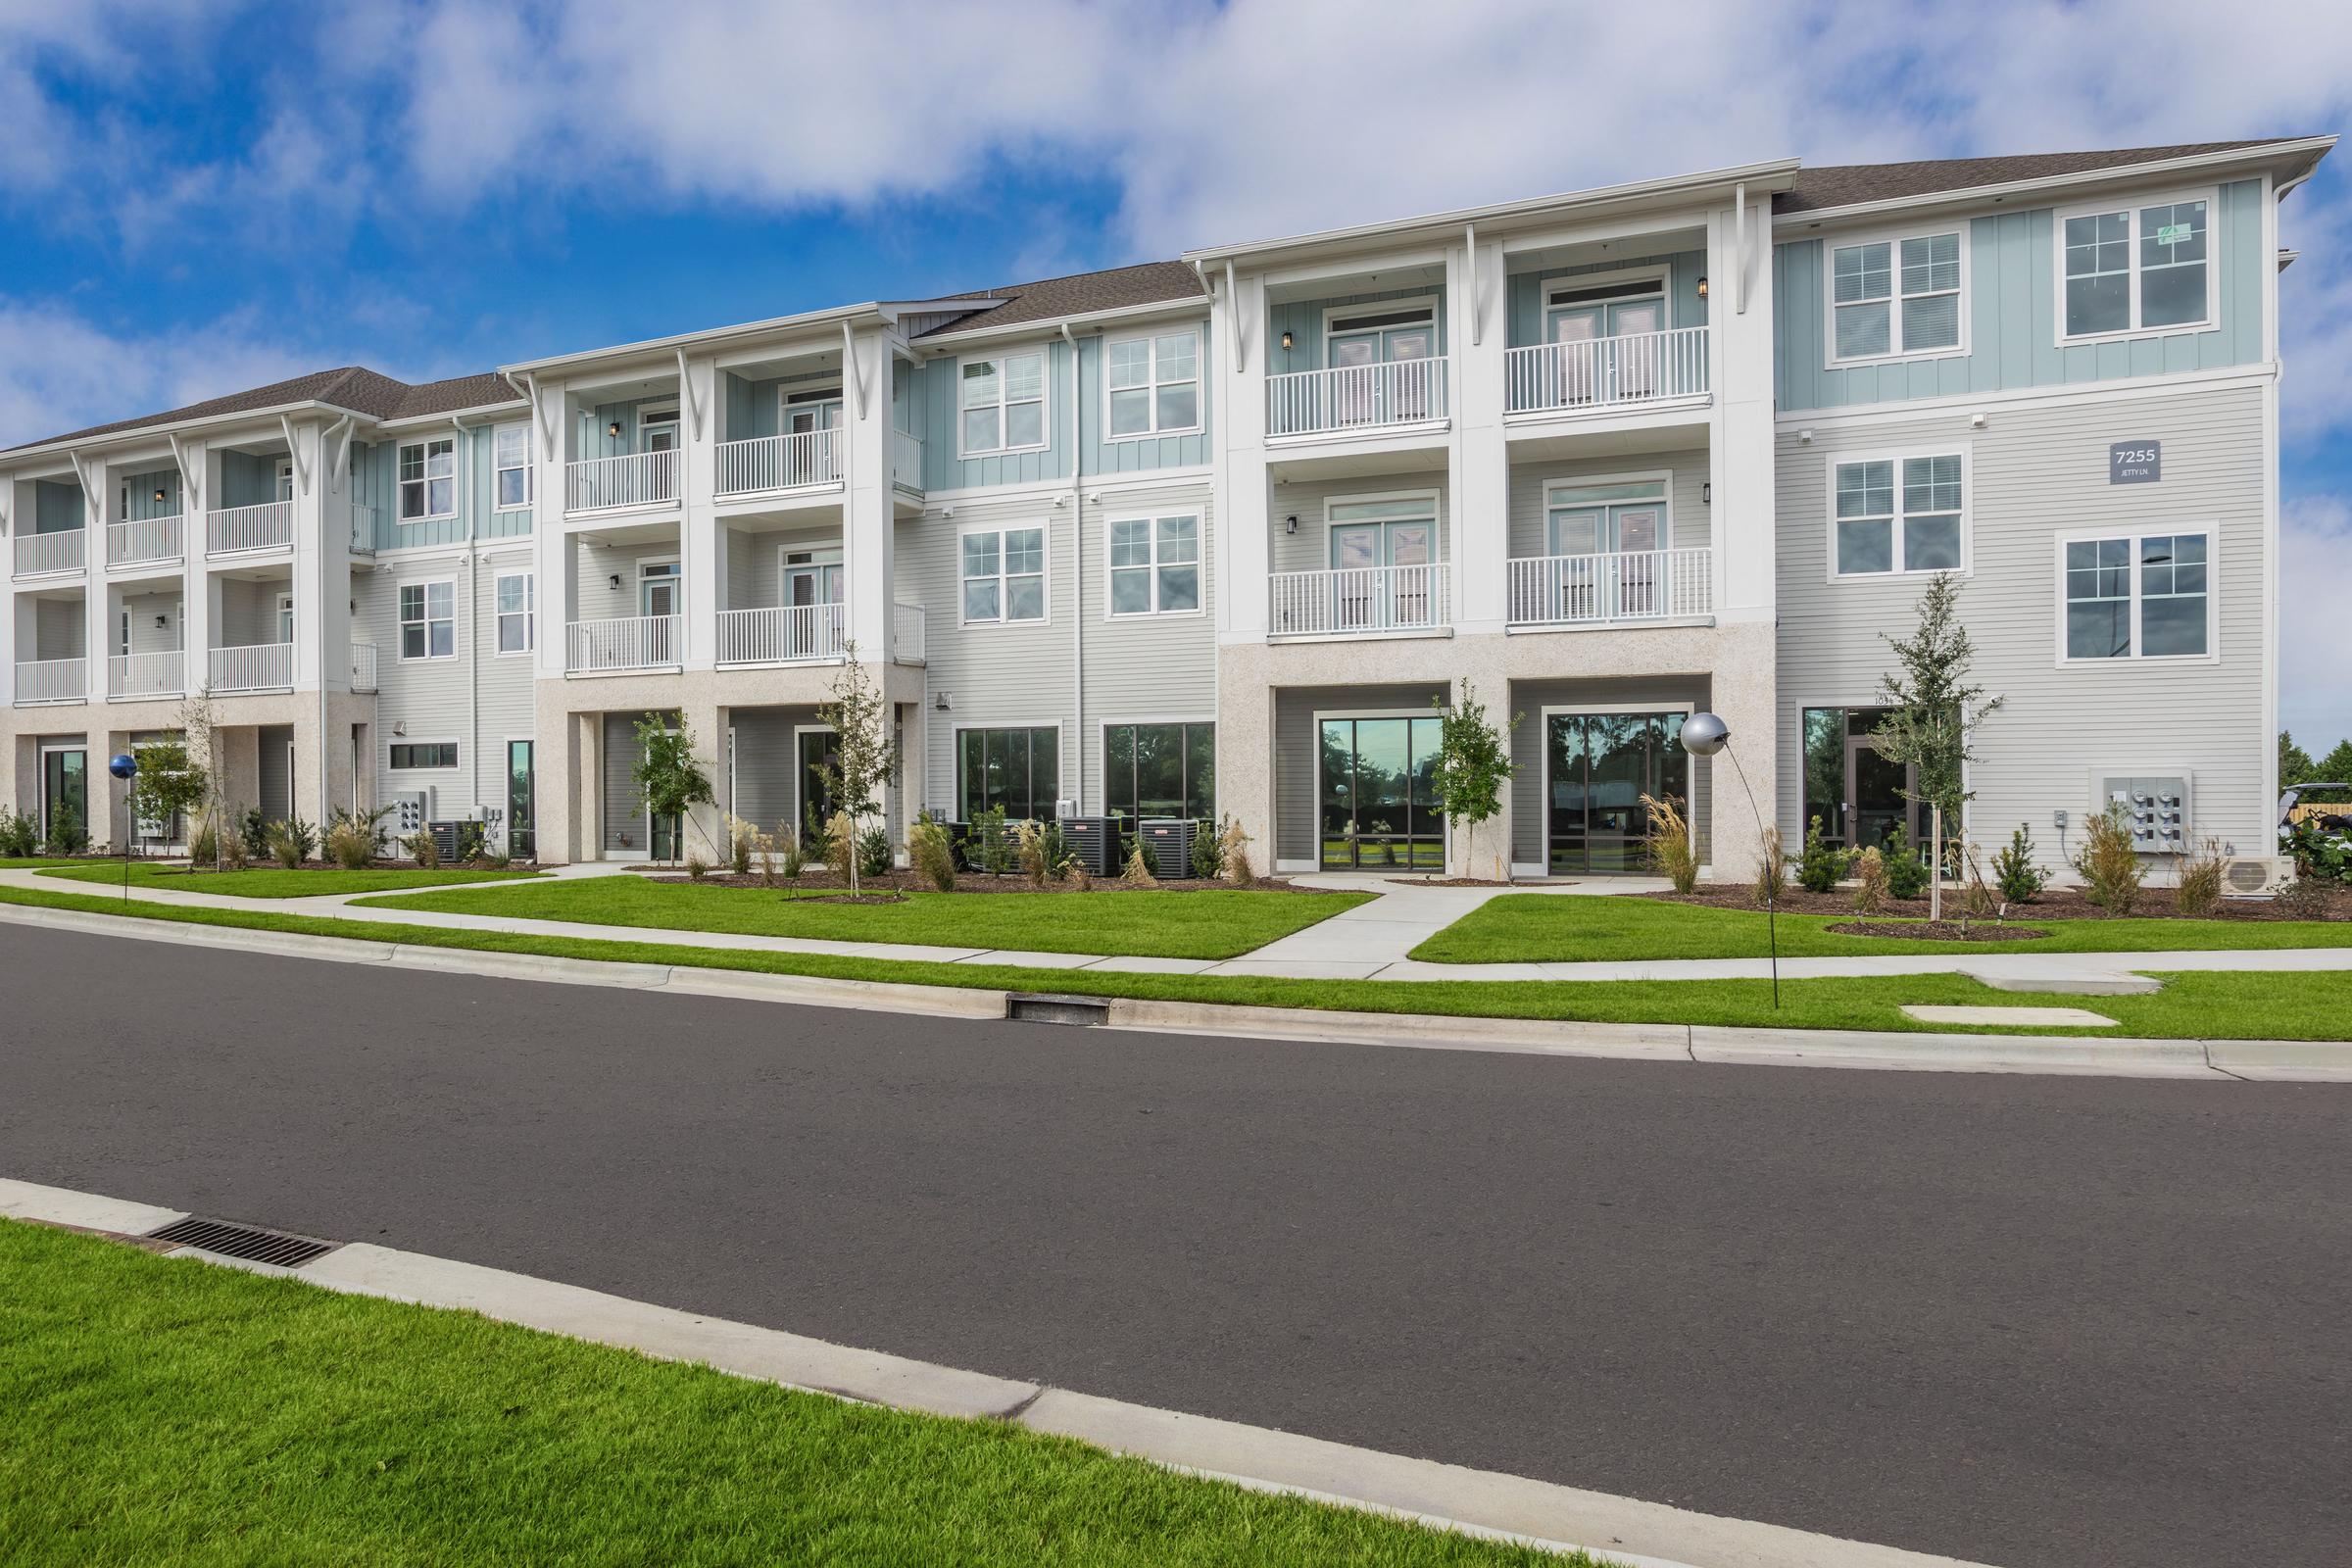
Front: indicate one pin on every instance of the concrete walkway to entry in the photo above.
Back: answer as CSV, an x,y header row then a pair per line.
x,y
1368,942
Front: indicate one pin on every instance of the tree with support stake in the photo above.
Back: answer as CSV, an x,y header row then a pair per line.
x,y
1474,764
1932,713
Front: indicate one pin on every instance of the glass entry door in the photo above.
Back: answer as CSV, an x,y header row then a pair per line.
x,y
1874,793
817,750
1609,368
65,788
810,580
1377,802
1597,767
522,840
1381,577
1607,556
1372,396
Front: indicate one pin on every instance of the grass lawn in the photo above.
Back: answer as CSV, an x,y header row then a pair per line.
x,y
1547,928
274,882
1208,924
2219,1005
12,863
164,1410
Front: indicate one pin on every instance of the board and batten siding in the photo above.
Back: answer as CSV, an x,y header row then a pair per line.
x,y
56,505
1688,472
2012,329
1525,291
2033,476
1303,320
375,482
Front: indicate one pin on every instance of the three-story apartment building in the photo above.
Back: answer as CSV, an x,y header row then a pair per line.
x,y
1218,534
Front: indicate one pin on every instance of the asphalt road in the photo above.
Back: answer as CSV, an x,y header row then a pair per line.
x,y
2031,1321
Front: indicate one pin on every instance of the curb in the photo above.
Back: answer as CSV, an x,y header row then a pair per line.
x,y
1444,1496
2268,1061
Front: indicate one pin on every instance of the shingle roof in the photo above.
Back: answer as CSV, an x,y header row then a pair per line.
x,y
1845,184
1080,294
351,386
458,392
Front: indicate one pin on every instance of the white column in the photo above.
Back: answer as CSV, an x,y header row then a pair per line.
x,y
197,619
1243,542
97,611
310,547
868,523
1479,484
1740,433
702,541
552,551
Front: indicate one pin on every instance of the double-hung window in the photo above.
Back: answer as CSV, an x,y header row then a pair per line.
x,y
2135,269
515,601
1153,384
1005,574
2137,596
428,480
1897,514
428,620
1155,565
511,468
1896,296
1003,401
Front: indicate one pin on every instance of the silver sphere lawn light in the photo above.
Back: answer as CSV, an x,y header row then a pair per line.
x,y
1704,735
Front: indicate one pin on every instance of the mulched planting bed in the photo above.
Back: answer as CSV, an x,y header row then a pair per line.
x,y
824,887
1937,931
2335,903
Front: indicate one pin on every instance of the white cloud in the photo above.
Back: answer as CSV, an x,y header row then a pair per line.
x,y
2315,584
60,372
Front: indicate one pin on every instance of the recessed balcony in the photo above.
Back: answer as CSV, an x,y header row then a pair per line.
x,y
251,667
143,677
52,680
623,643
44,555
1624,586
1361,602
149,541
764,464
620,482
242,530
783,634
1351,400
1603,375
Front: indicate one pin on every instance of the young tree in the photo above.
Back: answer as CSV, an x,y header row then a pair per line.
x,y
667,774
199,737
1474,762
1933,709
863,760
167,784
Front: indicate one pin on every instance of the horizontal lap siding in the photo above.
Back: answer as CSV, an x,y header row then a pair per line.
x,y
147,637
57,629
248,613
1688,474
766,782
1296,749
478,699
2036,473
1145,668
1309,549
276,783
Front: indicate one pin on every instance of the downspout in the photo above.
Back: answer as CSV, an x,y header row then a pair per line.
x,y
473,623
1077,573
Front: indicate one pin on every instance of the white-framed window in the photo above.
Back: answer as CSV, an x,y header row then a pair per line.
x,y
511,468
515,601
1155,565
429,619
2138,267
1897,513
1152,385
411,756
1003,571
1000,403
2133,594
428,480
1899,296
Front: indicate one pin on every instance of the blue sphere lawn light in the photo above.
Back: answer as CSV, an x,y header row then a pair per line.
x,y
125,767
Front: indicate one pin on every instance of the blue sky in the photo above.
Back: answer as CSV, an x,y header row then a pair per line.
x,y
205,194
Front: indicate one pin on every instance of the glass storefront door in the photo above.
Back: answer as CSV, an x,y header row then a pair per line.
x,y
818,749
523,841
1597,767
1376,803
1857,794
65,788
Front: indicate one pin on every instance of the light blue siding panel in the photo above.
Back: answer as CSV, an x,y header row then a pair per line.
x,y
247,481
1524,292
943,469
143,487
56,507
1303,320
1133,456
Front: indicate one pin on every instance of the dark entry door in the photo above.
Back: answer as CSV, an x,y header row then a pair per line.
x,y
65,790
1598,766
818,749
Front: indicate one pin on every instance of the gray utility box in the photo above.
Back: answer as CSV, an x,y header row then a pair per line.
x,y
1168,842
1094,841
2155,808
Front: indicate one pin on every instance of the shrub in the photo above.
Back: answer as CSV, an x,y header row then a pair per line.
x,y
1233,853
930,854
232,851
1043,851
2304,898
2110,868
2320,853
256,831
791,858
495,860
697,867
472,839
2200,886
742,840
67,835
1207,859
1906,872
1671,854
1772,867
19,834
349,845
1078,878
873,853
1977,899
1137,870
202,849
2014,872
423,849
990,842
292,842
1870,881
1819,868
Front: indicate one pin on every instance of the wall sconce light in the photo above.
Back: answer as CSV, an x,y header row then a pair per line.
x,y
614,580
1290,524
158,492
1706,493
1286,342
614,430
162,620
1703,288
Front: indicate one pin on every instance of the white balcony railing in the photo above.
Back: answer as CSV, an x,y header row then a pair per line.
x,y
1606,372
779,462
782,634
1631,586
38,552
1357,397
253,667
52,680
1360,600
631,479
131,544
907,624
906,459
267,526
362,667
161,674
630,642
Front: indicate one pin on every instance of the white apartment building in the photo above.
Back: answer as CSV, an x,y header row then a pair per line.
x,y
1218,534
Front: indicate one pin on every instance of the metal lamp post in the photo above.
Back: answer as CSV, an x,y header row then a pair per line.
x,y
1705,735
124,766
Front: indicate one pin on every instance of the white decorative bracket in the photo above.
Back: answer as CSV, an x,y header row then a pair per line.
x,y
302,464
693,408
1739,248
1477,307
850,368
1232,314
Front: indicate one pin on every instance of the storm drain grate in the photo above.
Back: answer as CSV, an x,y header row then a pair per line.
x,y
1034,1007
243,1240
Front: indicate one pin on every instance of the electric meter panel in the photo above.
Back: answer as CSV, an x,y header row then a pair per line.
x,y
2156,808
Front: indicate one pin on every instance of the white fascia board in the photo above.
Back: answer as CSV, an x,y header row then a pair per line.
x,y
872,310
1195,308
415,421
2302,152
98,445
1761,178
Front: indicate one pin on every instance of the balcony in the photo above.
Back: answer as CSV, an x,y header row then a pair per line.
x,y
139,677
625,643
907,628
1361,601
362,671
41,554
235,530
1357,399
145,542
907,460
1605,374
766,463
782,634
364,521
253,668
52,680
1628,586
630,479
